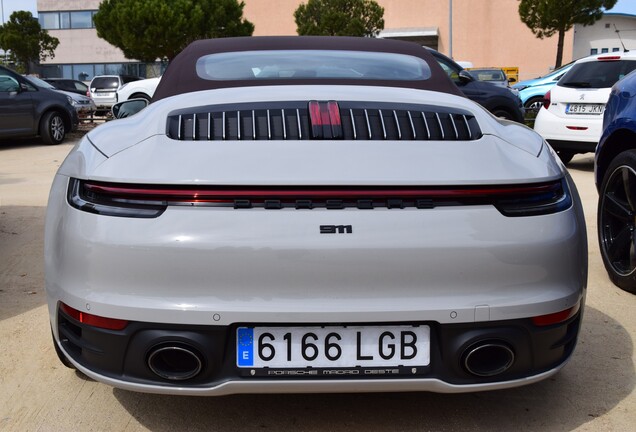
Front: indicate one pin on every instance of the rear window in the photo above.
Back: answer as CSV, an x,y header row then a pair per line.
x,y
308,64
489,75
105,83
597,74
129,79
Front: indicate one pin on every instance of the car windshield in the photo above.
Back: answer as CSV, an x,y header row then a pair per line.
x,y
307,64
38,82
597,74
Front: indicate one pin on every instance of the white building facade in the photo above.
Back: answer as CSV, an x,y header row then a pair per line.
x,y
614,32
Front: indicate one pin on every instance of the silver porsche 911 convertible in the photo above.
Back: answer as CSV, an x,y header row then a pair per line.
x,y
298,214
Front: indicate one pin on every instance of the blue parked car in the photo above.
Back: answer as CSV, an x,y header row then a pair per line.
x,y
615,176
531,91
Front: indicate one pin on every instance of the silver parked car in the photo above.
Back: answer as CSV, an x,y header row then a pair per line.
x,y
103,89
313,214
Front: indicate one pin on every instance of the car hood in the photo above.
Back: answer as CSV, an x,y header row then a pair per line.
x,y
138,150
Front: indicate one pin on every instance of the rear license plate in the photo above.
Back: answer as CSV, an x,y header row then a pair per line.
x,y
594,109
332,347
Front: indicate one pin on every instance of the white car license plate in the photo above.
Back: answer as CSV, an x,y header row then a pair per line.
x,y
594,109
332,346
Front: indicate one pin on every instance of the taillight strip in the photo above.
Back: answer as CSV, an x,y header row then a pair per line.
x,y
162,193
150,201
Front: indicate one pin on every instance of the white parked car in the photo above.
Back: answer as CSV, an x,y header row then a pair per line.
x,y
313,214
142,89
571,117
103,89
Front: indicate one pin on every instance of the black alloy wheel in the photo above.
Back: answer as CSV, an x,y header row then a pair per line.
x,y
503,114
617,221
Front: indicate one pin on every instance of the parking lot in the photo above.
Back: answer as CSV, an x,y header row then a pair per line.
x,y
594,392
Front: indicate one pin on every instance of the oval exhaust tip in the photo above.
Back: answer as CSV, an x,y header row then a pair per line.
x,y
486,359
175,363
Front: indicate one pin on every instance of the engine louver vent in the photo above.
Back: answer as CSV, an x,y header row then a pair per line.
x,y
291,121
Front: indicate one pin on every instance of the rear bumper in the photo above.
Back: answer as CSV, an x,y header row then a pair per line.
x,y
573,146
579,134
119,358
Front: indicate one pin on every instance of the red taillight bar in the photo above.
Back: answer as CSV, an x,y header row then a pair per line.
x,y
160,193
557,317
608,58
93,320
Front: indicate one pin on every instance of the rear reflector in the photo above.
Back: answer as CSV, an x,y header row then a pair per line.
x,y
93,320
609,58
556,318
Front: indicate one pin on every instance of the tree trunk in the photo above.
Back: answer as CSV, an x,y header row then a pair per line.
x,y
559,56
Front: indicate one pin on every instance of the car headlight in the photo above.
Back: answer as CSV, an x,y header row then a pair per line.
x,y
71,100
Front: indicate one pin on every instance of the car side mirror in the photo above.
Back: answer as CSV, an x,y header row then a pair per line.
x,y
128,108
465,77
512,80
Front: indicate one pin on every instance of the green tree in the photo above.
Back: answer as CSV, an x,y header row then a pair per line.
x,y
23,37
148,30
339,18
547,17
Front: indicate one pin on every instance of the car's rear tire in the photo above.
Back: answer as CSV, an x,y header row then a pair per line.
x,y
140,96
565,156
533,104
503,113
616,220
52,129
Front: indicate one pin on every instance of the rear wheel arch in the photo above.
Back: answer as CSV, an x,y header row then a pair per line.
x,y
619,142
140,95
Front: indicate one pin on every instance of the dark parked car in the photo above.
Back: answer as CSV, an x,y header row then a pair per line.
x,y
615,175
69,85
26,110
499,101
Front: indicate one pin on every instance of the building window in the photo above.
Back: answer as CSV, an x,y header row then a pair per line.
x,y
82,20
49,21
615,49
604,50
607,25
86,72
593,51
66,20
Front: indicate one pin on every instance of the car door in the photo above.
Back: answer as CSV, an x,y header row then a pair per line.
x,y
16,107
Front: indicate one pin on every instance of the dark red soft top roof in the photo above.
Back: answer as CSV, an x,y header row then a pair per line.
x,y
181,76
